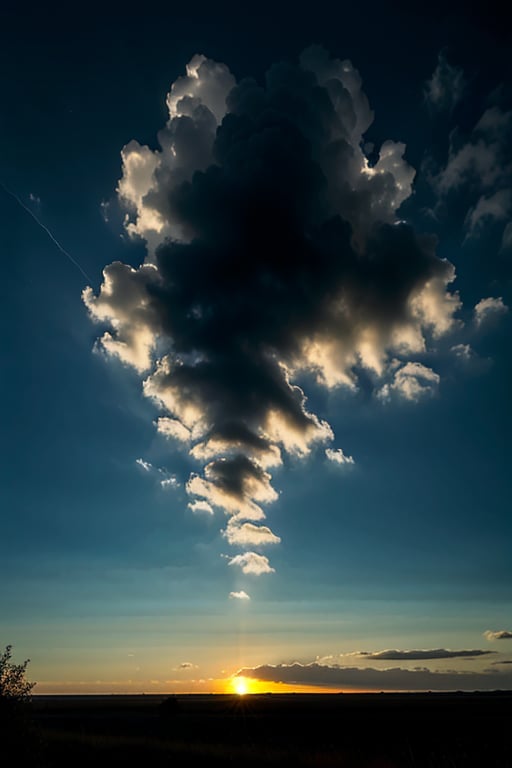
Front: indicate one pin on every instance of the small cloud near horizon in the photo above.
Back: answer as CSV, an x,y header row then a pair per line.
x,y
500,634
435,653
394,654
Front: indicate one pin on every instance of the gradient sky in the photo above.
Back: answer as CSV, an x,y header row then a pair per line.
x,y
393,569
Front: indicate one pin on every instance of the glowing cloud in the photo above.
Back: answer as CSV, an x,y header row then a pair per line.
x,y
199,506
413,381
248,534
251,562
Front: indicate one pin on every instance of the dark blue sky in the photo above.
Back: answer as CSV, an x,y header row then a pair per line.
x,y
107,574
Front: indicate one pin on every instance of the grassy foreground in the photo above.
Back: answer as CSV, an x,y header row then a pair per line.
x,y
300,730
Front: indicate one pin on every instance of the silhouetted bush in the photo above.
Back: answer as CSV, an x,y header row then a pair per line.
x,y
13,685
169,707
18,736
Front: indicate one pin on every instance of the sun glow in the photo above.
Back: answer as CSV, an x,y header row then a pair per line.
x,y
241,686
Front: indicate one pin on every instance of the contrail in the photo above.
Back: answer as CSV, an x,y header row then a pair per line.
x,y
40,224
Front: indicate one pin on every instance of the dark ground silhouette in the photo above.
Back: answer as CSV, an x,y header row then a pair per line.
x,y
434,730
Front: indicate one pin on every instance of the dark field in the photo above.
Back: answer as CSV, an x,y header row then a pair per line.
x,y
346,730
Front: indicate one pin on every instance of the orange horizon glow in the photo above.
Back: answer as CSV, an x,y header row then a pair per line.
x,y
249,685
232,685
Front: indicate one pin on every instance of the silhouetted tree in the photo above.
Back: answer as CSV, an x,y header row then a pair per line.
x,y
18,734
13,685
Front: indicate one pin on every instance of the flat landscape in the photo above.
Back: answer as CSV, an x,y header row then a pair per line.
x,y
431,730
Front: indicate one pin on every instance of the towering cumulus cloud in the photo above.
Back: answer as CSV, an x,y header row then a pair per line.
x,y
273,248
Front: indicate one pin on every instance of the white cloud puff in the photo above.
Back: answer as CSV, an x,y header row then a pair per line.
x,y
170,482
199,506
248,534
337,456
412,381
123,303
173,428
242,595
252,562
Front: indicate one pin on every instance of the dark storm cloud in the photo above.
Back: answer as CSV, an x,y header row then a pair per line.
x,y
476,177
234,483
446,86
436,653
273,248
354,678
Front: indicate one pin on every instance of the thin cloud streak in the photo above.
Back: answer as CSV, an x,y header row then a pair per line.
x,y
436,653
45,228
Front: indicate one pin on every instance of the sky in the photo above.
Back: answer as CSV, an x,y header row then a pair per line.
x,y
256,306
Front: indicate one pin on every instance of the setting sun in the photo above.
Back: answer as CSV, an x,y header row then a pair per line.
x,y
240,685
